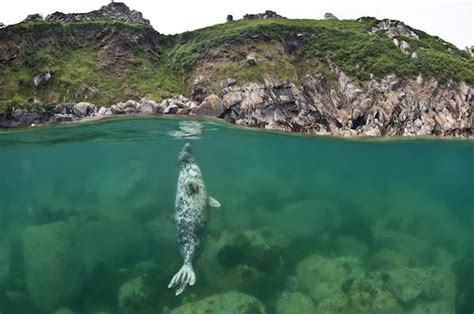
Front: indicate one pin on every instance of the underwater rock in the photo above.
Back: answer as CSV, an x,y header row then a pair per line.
x,y
409,284
335,305
295,303
396,233
231,302
367,295
235,258
132,296
387,259
322,277
52,265
408,290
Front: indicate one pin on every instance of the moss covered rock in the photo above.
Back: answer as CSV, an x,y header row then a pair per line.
x,y
232,302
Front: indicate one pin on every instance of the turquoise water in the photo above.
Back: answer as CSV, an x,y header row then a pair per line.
x,y
89,207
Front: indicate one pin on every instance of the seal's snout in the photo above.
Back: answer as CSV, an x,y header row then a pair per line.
x,y
185,154
187,147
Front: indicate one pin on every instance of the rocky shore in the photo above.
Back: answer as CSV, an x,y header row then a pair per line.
x,y
349,108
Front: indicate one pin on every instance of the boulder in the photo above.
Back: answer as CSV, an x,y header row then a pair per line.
x,y
102,111
53,268
231,302
330,16
229,18
236,259
86,92
33,18
232,98
41,78
405,47
171,109
117,109
211,106
387,259
268,14
133,296
146,108
295,303
322,277
410,284
251,59
366,294
83,109
60,117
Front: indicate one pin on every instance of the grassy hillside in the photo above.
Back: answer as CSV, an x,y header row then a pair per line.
x,y
121,61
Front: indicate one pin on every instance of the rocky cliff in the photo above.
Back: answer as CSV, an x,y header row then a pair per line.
x,y
364,77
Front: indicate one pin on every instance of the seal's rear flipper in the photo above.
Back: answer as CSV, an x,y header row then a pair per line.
x,y
213,202
185,276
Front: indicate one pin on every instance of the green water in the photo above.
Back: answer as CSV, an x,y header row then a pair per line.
x,y
110,188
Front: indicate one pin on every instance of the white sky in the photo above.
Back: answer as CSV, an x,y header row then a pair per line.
x,y
451,20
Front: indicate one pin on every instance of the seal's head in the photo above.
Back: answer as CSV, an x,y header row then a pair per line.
x,y
186,155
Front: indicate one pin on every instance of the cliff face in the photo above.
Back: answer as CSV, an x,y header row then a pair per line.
x,y
353,77
387,106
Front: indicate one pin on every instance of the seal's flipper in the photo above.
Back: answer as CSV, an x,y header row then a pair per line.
x,y
185,276
213,202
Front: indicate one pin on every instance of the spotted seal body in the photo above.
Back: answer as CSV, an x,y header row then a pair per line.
x,y
191,214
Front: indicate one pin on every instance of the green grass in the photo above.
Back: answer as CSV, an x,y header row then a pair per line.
x,y
167,70
347,43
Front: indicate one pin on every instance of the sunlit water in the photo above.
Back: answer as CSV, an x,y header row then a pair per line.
x,y
100,198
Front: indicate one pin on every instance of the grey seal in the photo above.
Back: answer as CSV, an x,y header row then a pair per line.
x,y
191,215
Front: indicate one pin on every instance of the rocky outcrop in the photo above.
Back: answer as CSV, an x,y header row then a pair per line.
x,y
400,291
266,15
394,28
232,302
117,11
295,303
243,258
132,296
330,16
322,277
389,106
33,18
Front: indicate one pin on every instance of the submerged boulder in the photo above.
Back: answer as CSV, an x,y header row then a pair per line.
x,y
322,277
295,303
407,290
132,296
248,257
52,265
231,302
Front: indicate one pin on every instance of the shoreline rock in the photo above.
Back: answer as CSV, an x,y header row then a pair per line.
x,y
380,107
